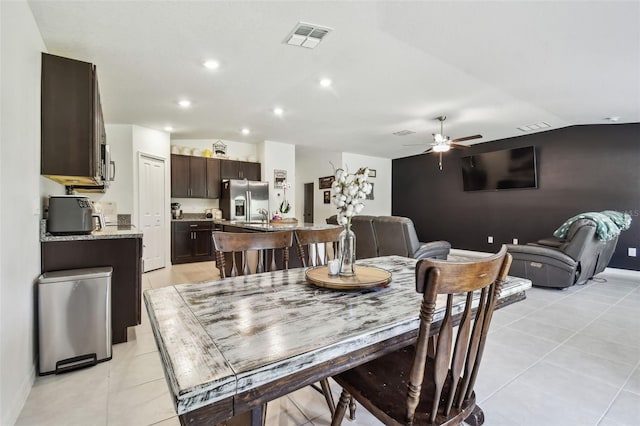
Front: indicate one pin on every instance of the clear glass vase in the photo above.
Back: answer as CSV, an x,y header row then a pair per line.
x,y
347,251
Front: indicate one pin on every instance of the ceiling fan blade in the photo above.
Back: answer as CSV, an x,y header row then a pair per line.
x,y
428,151
457,146
466,138
414,144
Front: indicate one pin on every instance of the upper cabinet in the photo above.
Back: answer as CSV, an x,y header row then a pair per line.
x,y
199,177
230,169
72,127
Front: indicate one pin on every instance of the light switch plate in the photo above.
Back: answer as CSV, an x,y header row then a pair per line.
x,y
515,241
490,240
632,252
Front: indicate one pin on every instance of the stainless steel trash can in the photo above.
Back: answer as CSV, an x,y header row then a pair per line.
x,y
74,309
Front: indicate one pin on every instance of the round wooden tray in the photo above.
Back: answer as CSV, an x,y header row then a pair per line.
x,y
284,222
365,277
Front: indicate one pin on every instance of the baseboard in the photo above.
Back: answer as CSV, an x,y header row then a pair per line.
x,y
623,273
19,398
469,253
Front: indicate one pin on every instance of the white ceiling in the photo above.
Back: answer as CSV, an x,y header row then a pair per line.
x,y
489,66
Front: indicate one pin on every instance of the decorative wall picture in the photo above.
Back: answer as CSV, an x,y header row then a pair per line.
x,y
220,149
370,195
279,177
325,182
327,197
372,172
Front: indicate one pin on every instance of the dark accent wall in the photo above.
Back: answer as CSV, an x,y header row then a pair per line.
x,y
580,169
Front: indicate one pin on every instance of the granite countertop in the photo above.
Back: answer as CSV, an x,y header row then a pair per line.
x,y
109,232
255,226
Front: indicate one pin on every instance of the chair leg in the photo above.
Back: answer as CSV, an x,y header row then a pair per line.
x,y
341,409
352,409
476,418
328,396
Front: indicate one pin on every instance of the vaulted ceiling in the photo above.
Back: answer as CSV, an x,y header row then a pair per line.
x,y
491,67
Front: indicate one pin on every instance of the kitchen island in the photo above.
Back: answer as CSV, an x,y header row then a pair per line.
x,y
191,239
117,246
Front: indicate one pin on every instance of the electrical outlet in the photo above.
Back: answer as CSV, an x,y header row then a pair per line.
x,y
490,240
515,241
632,252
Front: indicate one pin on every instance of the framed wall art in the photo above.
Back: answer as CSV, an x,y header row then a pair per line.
x,y
325,182
279,177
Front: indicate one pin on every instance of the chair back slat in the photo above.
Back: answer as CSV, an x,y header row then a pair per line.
x,y
263,242
460,350
453,372
314,239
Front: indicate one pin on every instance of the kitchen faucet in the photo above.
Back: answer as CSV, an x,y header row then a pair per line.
x,y
265,214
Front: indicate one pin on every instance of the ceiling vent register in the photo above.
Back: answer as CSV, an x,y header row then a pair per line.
x,y
307,35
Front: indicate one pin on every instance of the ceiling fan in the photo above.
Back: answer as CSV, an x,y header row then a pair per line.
x,y
442,143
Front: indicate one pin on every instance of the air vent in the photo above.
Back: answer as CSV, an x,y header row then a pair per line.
x,y
537,126
307,35
403,133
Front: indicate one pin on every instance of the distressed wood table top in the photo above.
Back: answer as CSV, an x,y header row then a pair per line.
x,y
221,339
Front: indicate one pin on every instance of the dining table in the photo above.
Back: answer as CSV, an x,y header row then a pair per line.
x,y
230,346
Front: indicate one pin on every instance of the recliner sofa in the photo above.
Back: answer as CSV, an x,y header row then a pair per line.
x,y
391,235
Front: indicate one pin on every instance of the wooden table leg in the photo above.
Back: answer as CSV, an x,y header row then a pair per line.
x,y
259,415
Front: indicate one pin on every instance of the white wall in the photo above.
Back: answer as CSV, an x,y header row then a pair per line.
x,y
311,164
21,46
381,203
279,156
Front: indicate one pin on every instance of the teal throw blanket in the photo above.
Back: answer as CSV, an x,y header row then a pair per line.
x,y
609,223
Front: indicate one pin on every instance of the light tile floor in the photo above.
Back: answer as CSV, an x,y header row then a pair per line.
x,y
568,357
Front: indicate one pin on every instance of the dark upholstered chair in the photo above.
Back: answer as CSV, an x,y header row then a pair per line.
x,y
397,235
391,235
559,263
432,382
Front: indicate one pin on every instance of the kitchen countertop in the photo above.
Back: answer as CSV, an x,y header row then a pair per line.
x,y
109,232
257,226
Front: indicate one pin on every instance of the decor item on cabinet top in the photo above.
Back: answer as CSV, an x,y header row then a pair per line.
x,y
220,149
285,206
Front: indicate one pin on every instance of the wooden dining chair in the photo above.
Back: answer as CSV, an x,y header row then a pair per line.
x,y
311,245
265,243
431,382
315,241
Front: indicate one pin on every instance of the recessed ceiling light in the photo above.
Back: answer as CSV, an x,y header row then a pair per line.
x,y
325,82
211,64
184,103
168,129
245,131
278,111
613,119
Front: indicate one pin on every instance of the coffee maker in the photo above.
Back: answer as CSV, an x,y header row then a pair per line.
x,y
176,213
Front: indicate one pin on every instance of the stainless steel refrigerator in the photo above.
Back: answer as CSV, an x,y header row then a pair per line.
x,y
243,199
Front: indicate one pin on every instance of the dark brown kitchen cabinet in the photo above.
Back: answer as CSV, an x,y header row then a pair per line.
x,y
231,169
191,241
188,176
72,127
124,255
213,178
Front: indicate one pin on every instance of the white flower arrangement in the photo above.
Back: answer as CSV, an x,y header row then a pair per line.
x,y
285,206
348,192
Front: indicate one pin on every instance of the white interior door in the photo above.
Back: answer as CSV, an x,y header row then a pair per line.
x,y
152,211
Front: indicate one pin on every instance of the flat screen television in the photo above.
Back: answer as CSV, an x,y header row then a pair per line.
x,y
504,169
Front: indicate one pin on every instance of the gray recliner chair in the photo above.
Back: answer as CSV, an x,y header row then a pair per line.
x,y
391,235
397,235
558,263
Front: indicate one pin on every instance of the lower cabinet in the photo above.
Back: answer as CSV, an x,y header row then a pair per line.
x,y
191,241
124,255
